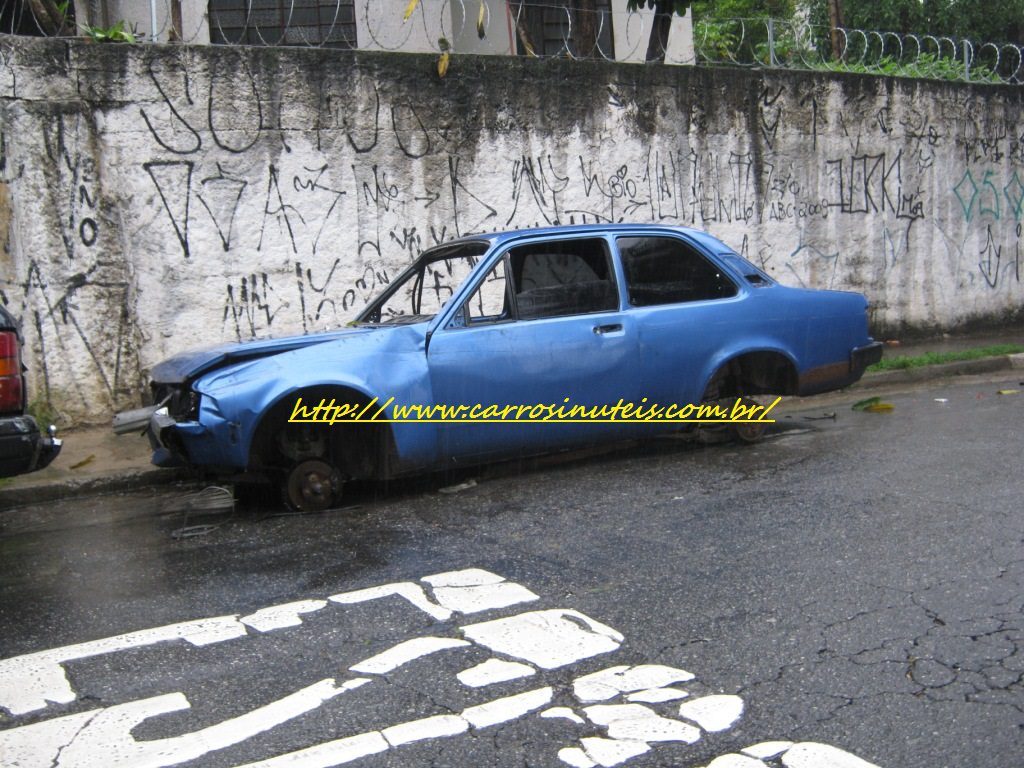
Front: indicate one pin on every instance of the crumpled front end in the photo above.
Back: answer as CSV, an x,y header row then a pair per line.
x,y
185,428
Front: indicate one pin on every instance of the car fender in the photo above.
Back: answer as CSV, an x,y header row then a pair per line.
x,y
237,399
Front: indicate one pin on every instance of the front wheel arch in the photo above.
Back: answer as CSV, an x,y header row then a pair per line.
x,y
356,450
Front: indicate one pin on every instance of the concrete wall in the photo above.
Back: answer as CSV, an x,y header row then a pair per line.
x,y
157,198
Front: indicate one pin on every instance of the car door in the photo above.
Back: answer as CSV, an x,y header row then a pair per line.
x,y
542,330
687,311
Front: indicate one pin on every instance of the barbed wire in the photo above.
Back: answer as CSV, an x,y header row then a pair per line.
x,y
791,44
548,29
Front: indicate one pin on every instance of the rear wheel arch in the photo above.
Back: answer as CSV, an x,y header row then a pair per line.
x,y
761,372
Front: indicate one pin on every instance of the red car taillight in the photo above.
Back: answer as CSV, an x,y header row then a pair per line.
x,y
11,382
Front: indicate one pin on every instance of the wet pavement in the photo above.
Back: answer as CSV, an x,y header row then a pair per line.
x,y
854,583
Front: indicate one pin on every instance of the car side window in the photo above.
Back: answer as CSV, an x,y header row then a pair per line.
x,y
489,303
563,277
664,270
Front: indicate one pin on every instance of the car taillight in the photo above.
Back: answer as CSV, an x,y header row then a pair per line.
x,y
11,386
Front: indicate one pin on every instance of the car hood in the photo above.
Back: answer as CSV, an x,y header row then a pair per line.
x,y
187,365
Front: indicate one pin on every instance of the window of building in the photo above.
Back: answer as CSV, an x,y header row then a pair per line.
x,y
327,23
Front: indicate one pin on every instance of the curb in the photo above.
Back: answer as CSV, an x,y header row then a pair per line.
x,y
65,488
942,370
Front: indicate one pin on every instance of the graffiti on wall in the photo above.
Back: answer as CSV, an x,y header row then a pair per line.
x,y
240,202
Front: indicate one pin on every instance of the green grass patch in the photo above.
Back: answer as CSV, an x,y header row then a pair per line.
x,y
936,358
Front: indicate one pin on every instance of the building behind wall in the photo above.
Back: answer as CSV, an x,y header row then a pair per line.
x,y
510,27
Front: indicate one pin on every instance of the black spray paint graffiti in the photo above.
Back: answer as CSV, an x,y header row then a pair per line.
x,y
176,130
279,211
54,312
249,308
991,263
220,196
76,172
873,184
173,181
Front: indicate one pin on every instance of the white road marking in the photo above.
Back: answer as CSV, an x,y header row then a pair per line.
x,y
564,713
803,755
75,741
281,616
329,753
575,757
428,728
613,681
548,639
735,761
766,750
611,752
403,653
29,682
810,755
474,590
635,722
508,708
657,695
346,750
494,671
713,713
37,744
406,589
467,577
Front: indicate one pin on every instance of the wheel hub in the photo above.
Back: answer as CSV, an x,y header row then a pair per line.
x,y
313,486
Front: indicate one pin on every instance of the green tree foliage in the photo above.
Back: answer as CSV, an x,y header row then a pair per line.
x,y
982,21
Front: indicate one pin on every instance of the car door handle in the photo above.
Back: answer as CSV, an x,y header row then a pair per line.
x,y
600,330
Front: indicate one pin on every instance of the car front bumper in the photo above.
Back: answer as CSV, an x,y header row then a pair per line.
x,y
23,448
209,442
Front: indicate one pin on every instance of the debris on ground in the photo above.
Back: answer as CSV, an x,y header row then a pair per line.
x,y
1008,392
87,460
459,487
880,408
830,415
873,405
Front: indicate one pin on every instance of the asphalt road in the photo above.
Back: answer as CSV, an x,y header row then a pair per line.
x,y
856,583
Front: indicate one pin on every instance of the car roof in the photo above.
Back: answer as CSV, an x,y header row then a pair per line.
x,y
498,238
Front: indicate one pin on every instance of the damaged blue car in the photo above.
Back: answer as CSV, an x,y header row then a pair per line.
x,y
480,332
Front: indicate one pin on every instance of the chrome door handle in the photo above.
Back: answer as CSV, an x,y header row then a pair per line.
x,y
602,329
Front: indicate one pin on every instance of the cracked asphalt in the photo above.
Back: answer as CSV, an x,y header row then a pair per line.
x,y
858,582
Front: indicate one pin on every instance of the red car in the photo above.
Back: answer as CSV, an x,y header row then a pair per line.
x,y
23,448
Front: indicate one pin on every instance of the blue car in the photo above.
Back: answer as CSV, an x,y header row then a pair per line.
x,y
502,345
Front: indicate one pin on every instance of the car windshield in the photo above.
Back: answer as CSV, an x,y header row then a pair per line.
x,y
424,289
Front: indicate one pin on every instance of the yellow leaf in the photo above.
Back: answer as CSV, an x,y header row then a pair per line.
x,y
409,9
879,407
480,31
1009,392
442,64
